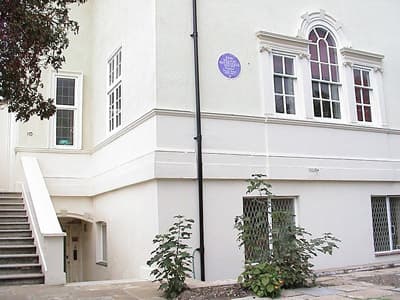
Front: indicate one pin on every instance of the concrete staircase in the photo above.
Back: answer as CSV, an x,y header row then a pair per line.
x,y
19,261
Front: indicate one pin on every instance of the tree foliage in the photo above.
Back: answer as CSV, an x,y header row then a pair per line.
x,y
33,36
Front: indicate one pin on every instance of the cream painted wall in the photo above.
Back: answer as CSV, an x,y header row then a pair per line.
x,y
131,217
342,208
231,27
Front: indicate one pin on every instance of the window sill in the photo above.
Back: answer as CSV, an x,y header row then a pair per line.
x,y
387,253
102,263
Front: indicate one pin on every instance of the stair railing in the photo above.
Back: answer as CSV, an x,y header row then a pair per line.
x,y
46,229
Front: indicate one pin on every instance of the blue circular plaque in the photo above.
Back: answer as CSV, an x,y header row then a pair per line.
x,y
229,65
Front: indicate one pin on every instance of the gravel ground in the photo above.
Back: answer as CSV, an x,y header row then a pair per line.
x,y
224,292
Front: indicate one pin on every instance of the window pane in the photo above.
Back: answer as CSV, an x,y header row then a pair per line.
x,y
358,94
315,87
365,93
325,90
332,56
359,113
289,90
289,66
278,84
335,73
279,104
64,127
317,108
65,92
380,224
325,72
315,70
323,51
313,37
314,52
334,92
321,32
367,113
326,109
330,40
290,108
278,66
336,110
365,75
357,76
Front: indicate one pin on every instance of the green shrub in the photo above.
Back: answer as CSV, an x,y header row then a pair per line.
x,y
284,246
262,279
171,258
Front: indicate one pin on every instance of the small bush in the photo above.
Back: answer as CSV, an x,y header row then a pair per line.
x,y
262,279
171,258
285,248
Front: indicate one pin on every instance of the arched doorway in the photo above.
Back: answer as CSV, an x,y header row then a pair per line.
x,y
74,245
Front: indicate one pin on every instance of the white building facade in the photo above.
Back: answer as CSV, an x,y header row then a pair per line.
x,y
314,106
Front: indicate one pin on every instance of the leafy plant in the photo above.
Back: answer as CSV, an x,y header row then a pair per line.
x,y
288,248
171,258
263,279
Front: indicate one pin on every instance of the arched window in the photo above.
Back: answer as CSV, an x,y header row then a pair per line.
x,y
324,73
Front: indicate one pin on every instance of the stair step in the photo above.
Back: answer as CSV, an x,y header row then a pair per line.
x,y
10,205
21,225
16,241
5,212
20,269
15,233
11,259
13,219
19,279
18,200
17,249
12,194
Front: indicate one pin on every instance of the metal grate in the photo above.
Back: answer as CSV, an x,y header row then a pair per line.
x,y
395,221
257,215
380,224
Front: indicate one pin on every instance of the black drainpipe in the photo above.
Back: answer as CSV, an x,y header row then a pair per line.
x,y
198,138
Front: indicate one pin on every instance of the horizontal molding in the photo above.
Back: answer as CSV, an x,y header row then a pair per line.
x,y
50,150
324,124
212,116
302,156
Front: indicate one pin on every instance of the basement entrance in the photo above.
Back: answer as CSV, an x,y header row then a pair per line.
x,y
73,247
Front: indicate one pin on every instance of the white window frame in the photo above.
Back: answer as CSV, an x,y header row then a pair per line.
x,y
271,44
114,81
284,75
77,108
368,61
101,243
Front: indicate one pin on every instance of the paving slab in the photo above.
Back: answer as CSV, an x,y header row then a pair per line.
x,y
373,293
349,287
318,291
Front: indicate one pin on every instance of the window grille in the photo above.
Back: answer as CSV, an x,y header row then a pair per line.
x,y
257,217
386,223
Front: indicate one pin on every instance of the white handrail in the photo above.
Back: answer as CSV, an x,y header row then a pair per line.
x,y
37,236
45,226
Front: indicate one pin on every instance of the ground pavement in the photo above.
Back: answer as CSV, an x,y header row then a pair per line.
x,y
353,285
